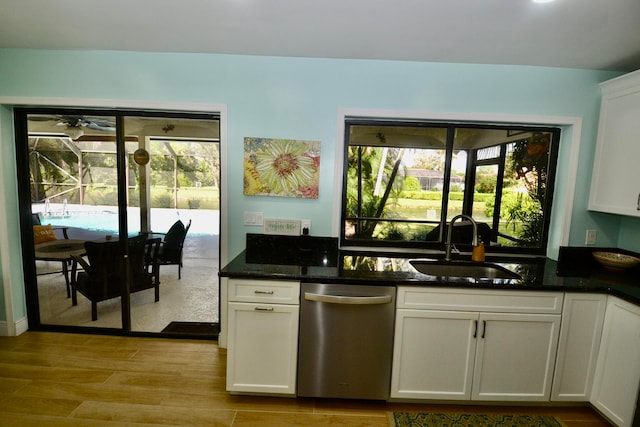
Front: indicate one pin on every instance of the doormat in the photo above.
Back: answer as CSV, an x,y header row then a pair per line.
x,y
430,419
193,328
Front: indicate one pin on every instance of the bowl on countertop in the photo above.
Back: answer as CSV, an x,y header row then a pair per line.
x,y
615,261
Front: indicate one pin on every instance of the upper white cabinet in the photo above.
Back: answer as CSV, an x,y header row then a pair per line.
x,y
615,183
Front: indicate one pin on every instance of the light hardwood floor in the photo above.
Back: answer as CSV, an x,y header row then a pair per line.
x,y
59,379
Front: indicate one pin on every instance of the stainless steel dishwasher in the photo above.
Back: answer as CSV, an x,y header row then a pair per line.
x,y
346,341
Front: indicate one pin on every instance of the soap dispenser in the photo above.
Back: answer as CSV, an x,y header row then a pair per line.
x,y
477,254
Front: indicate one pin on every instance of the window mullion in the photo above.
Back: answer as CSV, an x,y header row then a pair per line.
x,y
498,199
359,203
470,182
446,184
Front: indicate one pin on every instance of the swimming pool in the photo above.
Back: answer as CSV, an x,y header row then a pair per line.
x,y
104,219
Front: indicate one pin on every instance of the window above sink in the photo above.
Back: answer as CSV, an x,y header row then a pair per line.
x,y
404,180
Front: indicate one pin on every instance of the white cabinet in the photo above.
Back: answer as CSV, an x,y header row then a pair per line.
x,y
615,183
582,318
617,376
515,356
262,340
475,344
434,352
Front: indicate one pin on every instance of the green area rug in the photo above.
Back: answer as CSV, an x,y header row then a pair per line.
x,y
430,419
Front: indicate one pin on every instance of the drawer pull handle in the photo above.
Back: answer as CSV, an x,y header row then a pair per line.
x,y
263,308
484,328
475,330
638,204
258,291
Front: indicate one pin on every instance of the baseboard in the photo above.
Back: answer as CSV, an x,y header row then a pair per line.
x,y
21,326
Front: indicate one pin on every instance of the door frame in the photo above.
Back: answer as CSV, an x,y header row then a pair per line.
x,y
17,326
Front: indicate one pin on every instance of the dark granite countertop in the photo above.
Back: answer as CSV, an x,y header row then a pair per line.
x,y
575,271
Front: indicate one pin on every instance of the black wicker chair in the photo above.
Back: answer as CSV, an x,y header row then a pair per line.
x,y
172,244
103,277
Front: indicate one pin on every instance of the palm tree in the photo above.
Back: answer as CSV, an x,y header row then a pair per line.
x,y
371,168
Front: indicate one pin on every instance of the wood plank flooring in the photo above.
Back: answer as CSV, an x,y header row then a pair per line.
x,y
58,379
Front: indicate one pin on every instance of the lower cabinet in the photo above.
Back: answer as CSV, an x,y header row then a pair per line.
x,y
262,343
617,377
434,353
506,353
515,356
580,333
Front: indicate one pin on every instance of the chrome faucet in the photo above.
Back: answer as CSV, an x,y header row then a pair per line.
x,y
447,253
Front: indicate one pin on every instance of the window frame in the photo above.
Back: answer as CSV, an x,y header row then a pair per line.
x,y
472,163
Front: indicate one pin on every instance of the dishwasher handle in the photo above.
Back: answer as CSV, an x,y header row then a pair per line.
x,y
349,300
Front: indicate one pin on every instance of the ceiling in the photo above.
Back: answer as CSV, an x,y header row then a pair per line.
x,y
589,34
103,128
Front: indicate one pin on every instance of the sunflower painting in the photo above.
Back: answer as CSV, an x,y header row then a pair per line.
x,y
281,167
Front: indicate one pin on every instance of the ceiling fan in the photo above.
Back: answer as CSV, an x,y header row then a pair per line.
x,y
76,124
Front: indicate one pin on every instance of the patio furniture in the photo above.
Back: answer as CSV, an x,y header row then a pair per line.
x,y
172,244
104,275
37,221
63,251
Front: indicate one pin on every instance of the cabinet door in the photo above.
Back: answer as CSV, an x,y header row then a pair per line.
x,y
582,318
433,354
515,356
262,348
617,377
615,184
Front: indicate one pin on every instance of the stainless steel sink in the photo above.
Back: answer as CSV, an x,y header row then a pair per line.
x,y
462,269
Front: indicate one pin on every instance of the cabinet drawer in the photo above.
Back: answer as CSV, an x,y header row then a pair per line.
x,y
267,291
497,301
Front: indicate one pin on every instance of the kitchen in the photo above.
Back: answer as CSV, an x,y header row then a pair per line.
x,y
306,99
286,278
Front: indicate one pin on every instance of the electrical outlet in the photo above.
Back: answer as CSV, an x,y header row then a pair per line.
x,y
590,239
305,226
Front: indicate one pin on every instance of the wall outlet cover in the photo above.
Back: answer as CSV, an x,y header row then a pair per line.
x,y
305,224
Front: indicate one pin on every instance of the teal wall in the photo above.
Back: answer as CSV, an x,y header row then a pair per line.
x,y
4,136
300,98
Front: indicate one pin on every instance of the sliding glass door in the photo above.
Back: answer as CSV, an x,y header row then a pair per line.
x,y
73,181
176,166
94,180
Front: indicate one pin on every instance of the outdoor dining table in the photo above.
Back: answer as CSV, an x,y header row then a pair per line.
x,y
61,250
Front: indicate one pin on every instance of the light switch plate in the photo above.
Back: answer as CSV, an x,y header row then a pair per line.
x,y
252,218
